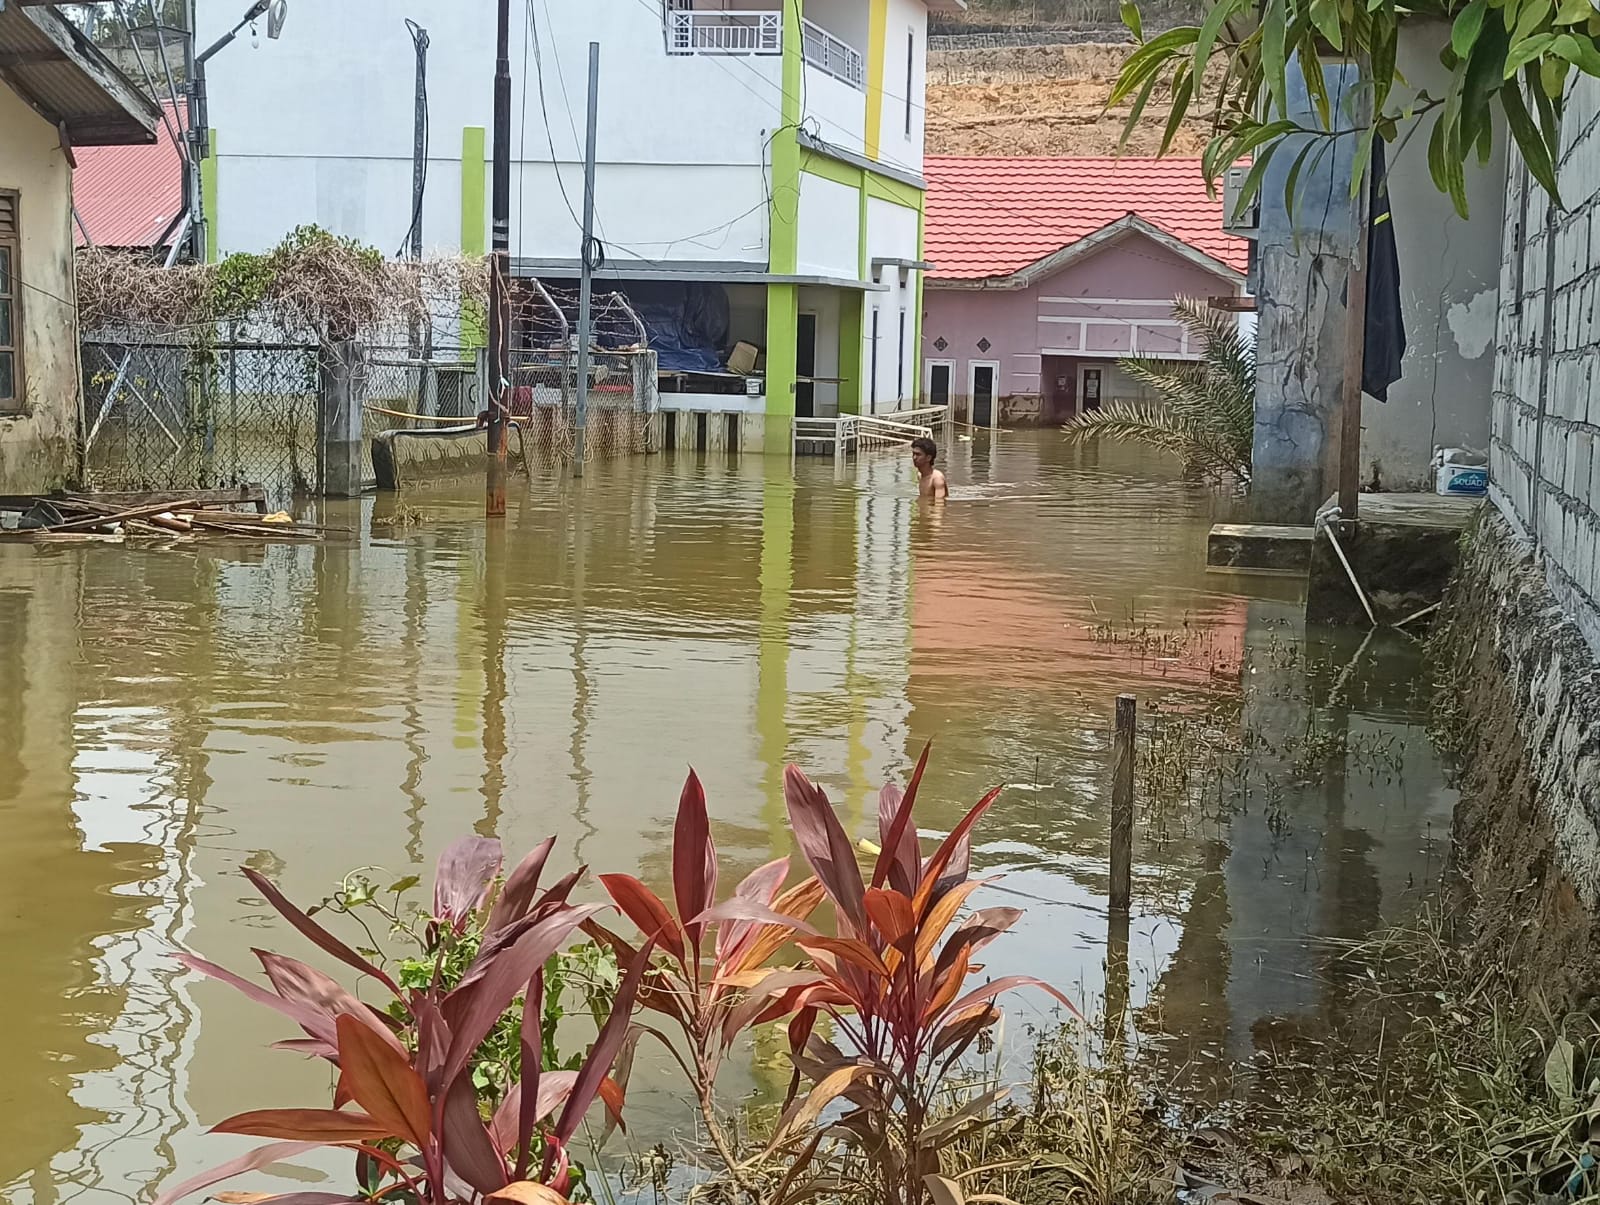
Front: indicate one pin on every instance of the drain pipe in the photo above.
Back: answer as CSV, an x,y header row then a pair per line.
x,y
1324,523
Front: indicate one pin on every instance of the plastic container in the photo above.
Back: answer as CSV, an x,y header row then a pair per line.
x,y
1460,473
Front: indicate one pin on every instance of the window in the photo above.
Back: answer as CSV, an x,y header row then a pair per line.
x,y
911,70
900,374
10,318
872,394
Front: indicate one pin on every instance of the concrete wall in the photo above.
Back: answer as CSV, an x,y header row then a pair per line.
x,y
1544,470
38,445
1088,309
1449,274
892,233
318,127
904,19
830,222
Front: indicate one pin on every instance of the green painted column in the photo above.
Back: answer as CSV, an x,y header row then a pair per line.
x,y
474,322
783,255
852,308
772,651
208,199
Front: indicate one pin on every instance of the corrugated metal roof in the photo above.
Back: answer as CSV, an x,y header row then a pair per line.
x,y
128,196
993,217
47,61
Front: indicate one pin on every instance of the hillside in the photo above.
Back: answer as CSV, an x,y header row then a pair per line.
x,y
1031,77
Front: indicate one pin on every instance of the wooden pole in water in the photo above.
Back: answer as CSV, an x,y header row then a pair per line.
x,y
1122,805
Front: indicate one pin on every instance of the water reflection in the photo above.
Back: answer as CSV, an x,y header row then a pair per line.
x,y
169,715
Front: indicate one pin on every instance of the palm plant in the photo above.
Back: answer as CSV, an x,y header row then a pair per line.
x,y
1207,411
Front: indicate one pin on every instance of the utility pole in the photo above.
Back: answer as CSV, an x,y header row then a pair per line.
x,y
587,258
499,270
419,139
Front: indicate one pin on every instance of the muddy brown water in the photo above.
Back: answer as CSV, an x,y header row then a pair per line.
x,y
168,714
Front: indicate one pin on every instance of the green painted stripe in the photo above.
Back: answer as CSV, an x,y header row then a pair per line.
x,y
829,168
208,199
783,251
852,306
886,189
474,322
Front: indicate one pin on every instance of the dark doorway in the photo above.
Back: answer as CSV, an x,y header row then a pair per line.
x,y
939,384
1092,378
1058,386
805,365
983,395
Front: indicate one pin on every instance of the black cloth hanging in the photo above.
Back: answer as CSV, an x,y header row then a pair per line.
x,y
1384,340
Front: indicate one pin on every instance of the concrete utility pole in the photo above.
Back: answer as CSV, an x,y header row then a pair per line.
x,y
419,139
588,260
499,271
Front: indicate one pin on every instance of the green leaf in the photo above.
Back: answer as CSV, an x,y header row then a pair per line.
x,y
1467,26
1130,18
1252,182
1481,74
1384,45
1579,51
1149,58
1316,86
401,886
1534,151
1325,16
1181,92
1549,111
1289,198
1363,156
1207,38
1558,1073
1485,144
1274,56
1572,12
1526,51
1530,18
1138,106
1553,75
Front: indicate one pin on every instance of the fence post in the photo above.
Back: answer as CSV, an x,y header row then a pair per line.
x,y
340,397
645,404
1122,805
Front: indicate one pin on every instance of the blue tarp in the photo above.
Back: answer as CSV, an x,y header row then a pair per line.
x,y
686,321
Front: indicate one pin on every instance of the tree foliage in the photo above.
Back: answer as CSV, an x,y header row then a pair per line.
x,y
1206,416
1514,56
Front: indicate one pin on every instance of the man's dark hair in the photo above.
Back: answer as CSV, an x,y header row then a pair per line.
x,y
925,445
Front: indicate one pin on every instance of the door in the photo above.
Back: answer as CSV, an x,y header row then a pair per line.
x,y
1089,383
940,373
983,382
805,367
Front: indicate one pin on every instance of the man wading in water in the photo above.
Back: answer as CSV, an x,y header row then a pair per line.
x,y
930,481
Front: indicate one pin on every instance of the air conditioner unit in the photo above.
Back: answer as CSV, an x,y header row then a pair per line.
x,y
1244,224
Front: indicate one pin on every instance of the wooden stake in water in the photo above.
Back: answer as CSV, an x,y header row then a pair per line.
x,y
1122,804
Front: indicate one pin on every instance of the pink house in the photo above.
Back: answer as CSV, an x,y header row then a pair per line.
x,y
1046,272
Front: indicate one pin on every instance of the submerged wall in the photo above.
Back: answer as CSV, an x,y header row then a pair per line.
x,y
1519,698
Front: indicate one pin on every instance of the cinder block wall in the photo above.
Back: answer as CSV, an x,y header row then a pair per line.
x,y
1545,466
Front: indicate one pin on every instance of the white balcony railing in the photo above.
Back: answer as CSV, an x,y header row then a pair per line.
x,y
692,31
838,59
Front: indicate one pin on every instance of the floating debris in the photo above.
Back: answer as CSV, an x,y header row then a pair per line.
x,y
103,518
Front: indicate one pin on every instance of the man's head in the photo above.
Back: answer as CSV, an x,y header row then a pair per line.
x,y
923,453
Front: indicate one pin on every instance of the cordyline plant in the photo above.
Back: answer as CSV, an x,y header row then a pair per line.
x,y
895,987
418,1128
710,953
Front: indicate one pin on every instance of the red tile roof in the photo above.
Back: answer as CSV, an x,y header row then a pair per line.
x,y
995,216
126,195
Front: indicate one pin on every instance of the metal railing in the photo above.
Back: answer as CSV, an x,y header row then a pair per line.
x,y
692,31
875,431
839,59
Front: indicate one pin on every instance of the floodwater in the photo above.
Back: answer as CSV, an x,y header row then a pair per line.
x,y
169,714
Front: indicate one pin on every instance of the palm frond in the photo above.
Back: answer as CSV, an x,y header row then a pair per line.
x,y
1207,410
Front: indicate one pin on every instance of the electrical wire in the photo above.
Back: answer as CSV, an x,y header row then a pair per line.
x,y
417,35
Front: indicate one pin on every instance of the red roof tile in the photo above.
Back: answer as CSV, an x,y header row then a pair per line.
x,y
126,195
995,216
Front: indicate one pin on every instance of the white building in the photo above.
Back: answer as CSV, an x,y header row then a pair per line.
x,y
769,155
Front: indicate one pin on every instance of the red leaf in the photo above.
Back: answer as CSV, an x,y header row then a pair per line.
x,y
526,1192
462,881
381,1081
314,1021
694,858
900,859
932,885
468,1149
823,841
756,1000
531,1038
262,1156
297,981
760,886
489,987
517,895
321,1127
979,930
891,912
604,1051
645,909
856,953
736,909
286,1198
319,936
1009,983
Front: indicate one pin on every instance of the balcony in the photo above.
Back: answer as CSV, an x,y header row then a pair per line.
x,y
718,31
760,32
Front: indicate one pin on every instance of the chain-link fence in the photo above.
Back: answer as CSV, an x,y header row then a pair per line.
x,y
166,412
405,389
621,408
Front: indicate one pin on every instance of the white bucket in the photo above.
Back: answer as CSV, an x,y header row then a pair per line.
x,y
1460,473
